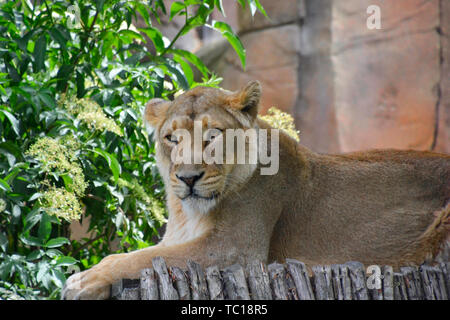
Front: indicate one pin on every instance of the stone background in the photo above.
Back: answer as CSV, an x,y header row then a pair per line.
x,y
348,87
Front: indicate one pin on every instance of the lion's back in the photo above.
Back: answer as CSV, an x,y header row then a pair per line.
x,y
426,170
372,206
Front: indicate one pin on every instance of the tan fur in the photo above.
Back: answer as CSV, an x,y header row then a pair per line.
x,y
378,207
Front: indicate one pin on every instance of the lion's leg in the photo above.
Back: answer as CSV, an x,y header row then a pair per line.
x,y
95,282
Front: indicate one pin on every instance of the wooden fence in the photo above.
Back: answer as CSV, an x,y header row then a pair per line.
x,y
289,281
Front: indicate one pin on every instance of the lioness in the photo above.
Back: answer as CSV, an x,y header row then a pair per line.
x,y
378,207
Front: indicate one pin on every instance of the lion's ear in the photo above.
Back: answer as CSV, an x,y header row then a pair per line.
x,y
155,111
249,98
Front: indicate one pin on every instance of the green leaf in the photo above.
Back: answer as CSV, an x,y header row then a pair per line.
x,y
47,99
45,227
43,269
12,72
59,38
219,5
12,175
66,261
33,217
175,8
68,182
103,76
35,196
58,278
192,58
31,241
14,122
53,253
2,90
22,42
80,84
39,53
23,64
176,73
143,10
57,242
34,255
186,69
160,4
99,5
5,270
156,36
130,35
242,3
232,38
112,163
193,2
260,7
199,19
4,186
63,75
3,241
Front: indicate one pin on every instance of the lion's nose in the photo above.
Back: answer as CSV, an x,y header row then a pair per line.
x,y
191,178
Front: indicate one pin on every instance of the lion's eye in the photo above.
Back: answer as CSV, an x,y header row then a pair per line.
x,y
171,138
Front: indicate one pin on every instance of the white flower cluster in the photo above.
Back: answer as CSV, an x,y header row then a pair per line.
x,y
58,156
281,120
90,113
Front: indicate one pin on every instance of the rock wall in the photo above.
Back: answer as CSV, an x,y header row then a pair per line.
x,y
386,81
443,129
350,87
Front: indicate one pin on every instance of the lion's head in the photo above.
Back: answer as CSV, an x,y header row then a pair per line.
x,y
200,184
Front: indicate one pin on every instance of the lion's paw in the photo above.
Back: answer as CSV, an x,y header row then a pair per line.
x,y
87,285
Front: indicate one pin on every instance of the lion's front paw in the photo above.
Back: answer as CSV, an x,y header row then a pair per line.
x,y
87,285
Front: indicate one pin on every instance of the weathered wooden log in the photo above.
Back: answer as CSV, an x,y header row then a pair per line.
x,y
277,276
399,287
258,281
427,286
181,282
434,286
290,281
215,283
235,283
199,286
440,282
388,283
126,289
149,285
341,282
292,289
323,285
297,270
165,285
376,293
413,283
445,267
358,279
116,290
131,294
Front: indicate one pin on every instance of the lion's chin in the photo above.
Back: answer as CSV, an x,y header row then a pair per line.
x,y
193,205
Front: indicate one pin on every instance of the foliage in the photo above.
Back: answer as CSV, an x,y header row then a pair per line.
x,y
74,79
